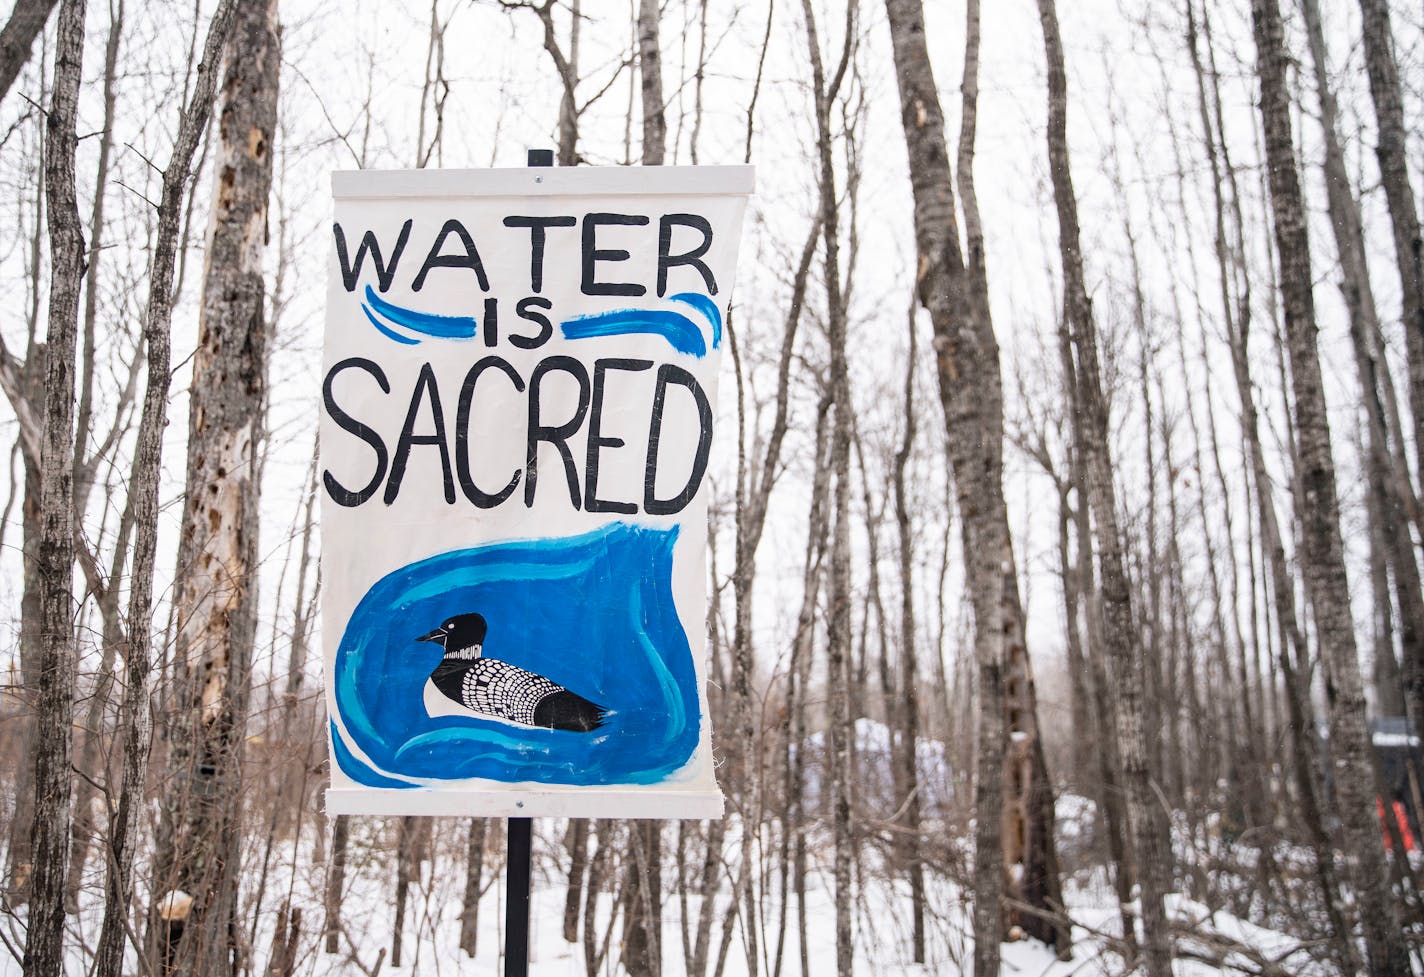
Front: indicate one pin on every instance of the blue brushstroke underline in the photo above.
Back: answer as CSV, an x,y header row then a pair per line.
x,y
425,323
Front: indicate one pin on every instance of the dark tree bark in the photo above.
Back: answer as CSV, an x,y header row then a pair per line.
x,y
643,895
578,867
793,848
405,831
26,22
1322,557
336,882
474,869
23,381
650,63
136,714
54,702
1123,642
20,853
217,558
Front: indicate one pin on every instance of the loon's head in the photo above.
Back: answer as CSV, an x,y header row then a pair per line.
x,y
462,636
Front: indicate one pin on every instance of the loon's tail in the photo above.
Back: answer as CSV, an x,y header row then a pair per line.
x,y
565,710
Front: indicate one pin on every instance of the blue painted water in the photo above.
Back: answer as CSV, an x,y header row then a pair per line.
x,y
681,332
593,613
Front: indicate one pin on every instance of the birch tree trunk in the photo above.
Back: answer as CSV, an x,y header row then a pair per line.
x,y
54,704
1123,642
971,397
136,715
1322,556
650,69
217,558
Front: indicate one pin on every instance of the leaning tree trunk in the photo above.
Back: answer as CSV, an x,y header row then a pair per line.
x,y
217,556
1090,428
54,706
1030,860
18,37
1322,549
971,397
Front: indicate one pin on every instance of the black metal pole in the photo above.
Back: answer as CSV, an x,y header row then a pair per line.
x,y
517,853
516,915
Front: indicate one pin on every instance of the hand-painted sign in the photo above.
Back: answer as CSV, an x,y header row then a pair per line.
x,y
517,403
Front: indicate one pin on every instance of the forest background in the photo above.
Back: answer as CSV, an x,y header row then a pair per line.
x,y
1065,523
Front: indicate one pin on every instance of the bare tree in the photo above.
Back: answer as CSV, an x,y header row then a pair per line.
x,y
217,560
84,473
1389,485
1392,151
971,396
907,762
1322,556
1123,644
54,707
136,713
1236,315
838,628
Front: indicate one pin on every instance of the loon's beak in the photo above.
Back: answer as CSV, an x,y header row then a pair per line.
x,y
435,637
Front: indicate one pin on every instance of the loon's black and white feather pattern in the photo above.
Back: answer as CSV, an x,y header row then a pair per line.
x,y
498,690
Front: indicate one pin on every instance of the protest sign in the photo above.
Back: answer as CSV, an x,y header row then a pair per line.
x,y
517,404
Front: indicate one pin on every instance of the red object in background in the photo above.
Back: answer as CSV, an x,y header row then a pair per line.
x,y
1401,819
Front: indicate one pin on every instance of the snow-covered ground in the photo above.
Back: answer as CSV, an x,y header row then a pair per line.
x,y
881,921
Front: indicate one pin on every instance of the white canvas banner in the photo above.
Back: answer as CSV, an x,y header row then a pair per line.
x,y
517,401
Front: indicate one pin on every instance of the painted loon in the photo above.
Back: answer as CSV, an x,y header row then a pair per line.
x,y
494,689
